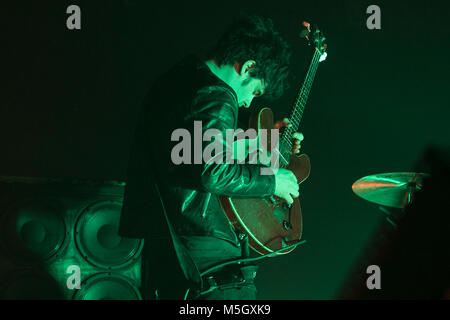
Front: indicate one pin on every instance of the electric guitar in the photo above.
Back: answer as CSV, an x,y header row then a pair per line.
x,y
271,224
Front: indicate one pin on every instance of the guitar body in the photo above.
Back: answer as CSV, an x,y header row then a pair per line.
x,y
269,223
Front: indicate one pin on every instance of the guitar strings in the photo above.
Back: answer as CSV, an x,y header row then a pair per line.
x,y
302,97
309,79
296,117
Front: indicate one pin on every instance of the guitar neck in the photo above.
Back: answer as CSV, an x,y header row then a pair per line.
x,y
286,142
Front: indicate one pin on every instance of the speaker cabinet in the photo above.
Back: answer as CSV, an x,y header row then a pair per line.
x,y
58,240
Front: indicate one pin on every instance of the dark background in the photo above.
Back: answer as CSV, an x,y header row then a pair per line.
x,y
71,97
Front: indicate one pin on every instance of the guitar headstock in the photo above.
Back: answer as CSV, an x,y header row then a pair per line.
x,y
315,37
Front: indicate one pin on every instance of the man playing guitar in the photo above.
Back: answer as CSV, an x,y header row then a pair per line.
x,y
175,207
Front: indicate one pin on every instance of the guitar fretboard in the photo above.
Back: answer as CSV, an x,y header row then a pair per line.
x,y
286,141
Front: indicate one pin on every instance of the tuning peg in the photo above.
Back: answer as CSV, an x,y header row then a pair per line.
x,y
306,25
306,29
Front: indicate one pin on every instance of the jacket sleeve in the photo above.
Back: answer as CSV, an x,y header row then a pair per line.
x,y
216,108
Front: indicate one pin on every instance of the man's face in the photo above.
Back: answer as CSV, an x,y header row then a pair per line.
x,y
246,86
248,89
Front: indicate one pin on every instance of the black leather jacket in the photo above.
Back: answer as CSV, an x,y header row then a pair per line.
x,y
189,92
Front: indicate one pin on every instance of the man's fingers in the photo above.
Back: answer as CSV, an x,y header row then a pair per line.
x,y
278,124
298,136
293,187
282,123
293,177
286,185
286,122
288,199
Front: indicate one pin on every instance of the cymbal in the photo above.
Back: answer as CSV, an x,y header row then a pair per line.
x,y
389,189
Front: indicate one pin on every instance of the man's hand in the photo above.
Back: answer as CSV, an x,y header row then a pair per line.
x,y
286,185
298,136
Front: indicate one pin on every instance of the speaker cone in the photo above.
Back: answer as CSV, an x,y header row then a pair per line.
x,y
96,236
107,286
33,230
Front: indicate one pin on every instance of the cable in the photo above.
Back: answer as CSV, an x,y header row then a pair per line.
x,y
250,259
218,266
